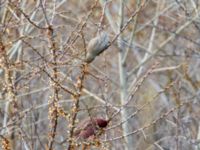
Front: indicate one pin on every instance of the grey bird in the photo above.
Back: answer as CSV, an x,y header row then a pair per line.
x,y
96,46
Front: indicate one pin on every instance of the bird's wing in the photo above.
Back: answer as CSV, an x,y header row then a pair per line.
x,y
83,125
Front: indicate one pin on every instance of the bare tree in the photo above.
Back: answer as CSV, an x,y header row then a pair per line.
x,y
103,74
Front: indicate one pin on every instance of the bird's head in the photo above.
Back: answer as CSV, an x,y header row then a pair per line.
x,y
102,123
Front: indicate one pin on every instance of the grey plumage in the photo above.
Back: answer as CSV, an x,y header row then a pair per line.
x,y
96,46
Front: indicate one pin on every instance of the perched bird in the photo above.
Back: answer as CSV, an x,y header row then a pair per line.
x,y
96,46
90,127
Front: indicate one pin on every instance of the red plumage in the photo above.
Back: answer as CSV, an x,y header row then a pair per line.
x,y
89,127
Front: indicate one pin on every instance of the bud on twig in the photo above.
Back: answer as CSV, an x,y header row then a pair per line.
x,y
96,46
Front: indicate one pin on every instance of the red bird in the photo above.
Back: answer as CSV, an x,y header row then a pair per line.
x,y
90,127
